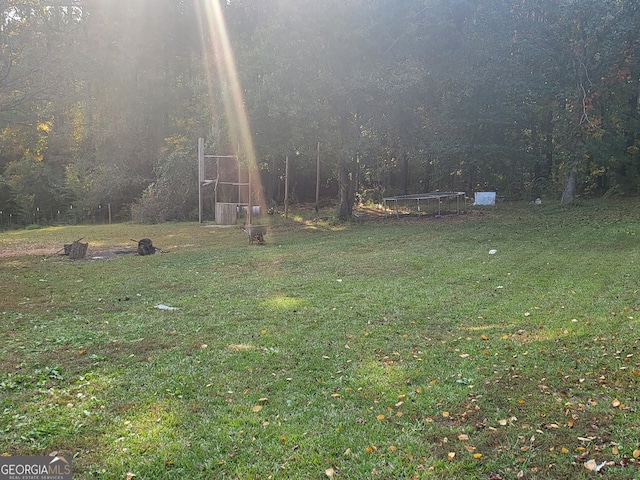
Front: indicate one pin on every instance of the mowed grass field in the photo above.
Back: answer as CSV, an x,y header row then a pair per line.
x,y
389,349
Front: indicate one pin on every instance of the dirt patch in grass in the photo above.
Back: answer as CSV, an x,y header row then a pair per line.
x,y
110,253
101,254
26,250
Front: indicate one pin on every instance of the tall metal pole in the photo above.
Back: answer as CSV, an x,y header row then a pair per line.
x,y
318,178
200,176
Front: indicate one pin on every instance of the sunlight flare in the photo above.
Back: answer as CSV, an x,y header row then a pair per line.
x,y
222,61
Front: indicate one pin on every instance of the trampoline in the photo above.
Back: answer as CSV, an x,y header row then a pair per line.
x,y
427,199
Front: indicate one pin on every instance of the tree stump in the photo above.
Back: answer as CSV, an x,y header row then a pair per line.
x,y
145,247
77,250
256,233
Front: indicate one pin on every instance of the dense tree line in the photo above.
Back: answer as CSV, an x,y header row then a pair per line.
x,y
102,101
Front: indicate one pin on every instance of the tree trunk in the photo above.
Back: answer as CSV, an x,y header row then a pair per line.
x,y
405,173
345,208
569,193
427,176
549,144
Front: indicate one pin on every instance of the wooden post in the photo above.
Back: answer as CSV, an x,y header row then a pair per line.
x,y
239,177
109,208
200,176
318,178
249,202
286,187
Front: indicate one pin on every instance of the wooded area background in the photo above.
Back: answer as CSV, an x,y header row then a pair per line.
x,y
102,101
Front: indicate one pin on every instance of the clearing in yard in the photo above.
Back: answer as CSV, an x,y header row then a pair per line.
x,y
397,348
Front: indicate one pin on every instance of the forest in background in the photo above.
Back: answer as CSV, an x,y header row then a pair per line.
x,y
102,102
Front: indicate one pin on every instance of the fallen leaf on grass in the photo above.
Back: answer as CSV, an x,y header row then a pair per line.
x,y
451,456
506,421
330,472
257,408
463,437
592,466
130,475
636,454
380,417
617,403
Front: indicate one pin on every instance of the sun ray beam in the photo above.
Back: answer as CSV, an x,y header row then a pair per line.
x,y
219,58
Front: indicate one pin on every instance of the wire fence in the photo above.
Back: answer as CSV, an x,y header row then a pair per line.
x,y
100,214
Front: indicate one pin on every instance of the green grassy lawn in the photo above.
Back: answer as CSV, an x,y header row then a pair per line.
x,y
391,349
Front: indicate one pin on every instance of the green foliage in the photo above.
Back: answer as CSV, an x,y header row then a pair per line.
x,y
173,197
410,96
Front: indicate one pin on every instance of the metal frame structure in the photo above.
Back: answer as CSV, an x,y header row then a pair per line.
x,y
425,197
203,181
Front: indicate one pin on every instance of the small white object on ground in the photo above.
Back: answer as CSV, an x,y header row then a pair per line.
x,y
493,252
162,306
